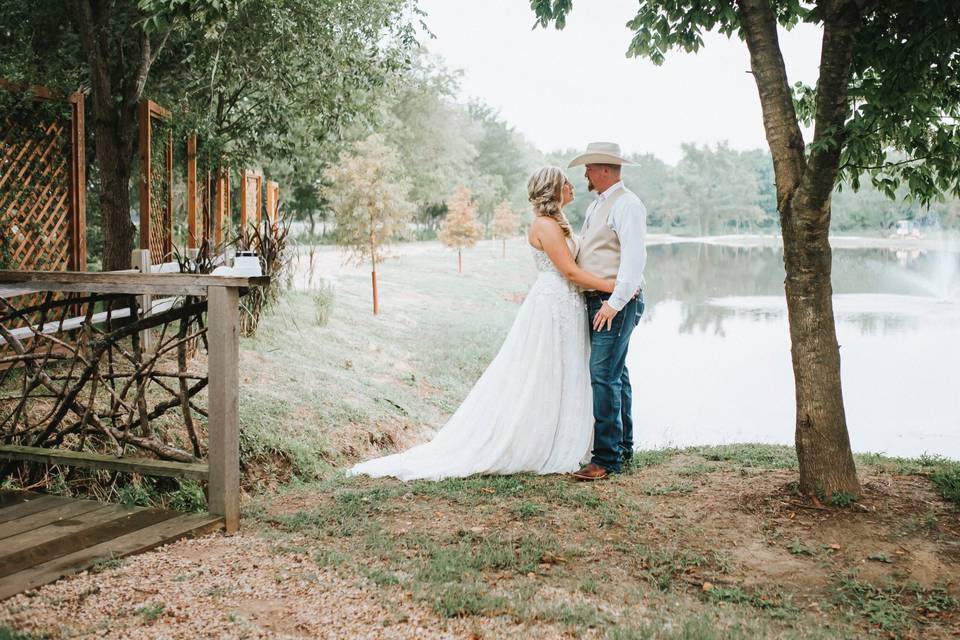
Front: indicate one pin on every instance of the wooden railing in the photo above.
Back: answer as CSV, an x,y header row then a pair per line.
x,y
220,296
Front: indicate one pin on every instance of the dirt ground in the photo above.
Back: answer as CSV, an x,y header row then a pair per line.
x,y
696,544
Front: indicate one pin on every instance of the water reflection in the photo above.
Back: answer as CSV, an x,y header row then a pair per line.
x,y
711,361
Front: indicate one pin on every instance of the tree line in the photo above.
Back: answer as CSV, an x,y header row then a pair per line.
x,y
441,145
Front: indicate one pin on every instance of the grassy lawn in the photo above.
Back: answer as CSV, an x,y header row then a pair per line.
x,y
701,543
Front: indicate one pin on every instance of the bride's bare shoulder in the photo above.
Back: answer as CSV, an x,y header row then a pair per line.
x,y
546,224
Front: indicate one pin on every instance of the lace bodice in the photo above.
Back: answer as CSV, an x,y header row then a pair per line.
x,y
543,261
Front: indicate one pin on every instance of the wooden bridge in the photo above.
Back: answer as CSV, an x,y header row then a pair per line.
x,y
45,537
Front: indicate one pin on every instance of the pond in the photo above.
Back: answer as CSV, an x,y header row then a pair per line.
x,y
710,361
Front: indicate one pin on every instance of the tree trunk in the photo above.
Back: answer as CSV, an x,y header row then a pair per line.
x,y
504,254
804,187
114,161
459,261
822,441
115,92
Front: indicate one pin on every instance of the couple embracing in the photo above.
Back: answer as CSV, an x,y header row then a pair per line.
x,y
557,397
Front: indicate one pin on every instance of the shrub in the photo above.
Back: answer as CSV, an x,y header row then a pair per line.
x,y
323,303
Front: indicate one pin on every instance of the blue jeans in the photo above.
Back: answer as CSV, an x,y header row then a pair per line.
x,y
612,394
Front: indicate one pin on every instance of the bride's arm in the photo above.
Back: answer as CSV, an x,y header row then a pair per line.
x,y
550,236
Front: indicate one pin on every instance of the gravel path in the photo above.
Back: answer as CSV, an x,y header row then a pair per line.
x,y
221,587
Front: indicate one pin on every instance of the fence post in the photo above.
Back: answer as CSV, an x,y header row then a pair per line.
x,y
223,336
140,259
144,133
193,233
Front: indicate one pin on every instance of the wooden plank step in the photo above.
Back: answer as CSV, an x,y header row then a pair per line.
x,y
11,496
143,466
134,542
92,528
46,517
32,506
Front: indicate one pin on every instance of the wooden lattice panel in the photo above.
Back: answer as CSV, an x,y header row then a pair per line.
x,y
41,186
251,188
273,202
156,185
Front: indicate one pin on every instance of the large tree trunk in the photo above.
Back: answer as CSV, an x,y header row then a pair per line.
x,y
114,158
822,441
115,92
804,186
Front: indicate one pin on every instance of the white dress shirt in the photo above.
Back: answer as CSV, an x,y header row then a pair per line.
x,y
627,219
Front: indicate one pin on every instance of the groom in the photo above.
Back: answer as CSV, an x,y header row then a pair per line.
x,y
612,245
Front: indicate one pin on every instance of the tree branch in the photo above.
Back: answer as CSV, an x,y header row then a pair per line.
x,y
759,25
836,58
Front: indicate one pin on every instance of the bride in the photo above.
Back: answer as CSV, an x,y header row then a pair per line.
x,y
532,409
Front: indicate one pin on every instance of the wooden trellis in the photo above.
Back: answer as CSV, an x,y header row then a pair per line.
x,y
251,195
156,185
42,184
273,202
201,199
221,211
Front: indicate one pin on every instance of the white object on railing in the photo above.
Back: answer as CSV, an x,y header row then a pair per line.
x,y
246,263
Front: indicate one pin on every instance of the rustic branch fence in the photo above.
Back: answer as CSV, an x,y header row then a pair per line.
x,y
81,390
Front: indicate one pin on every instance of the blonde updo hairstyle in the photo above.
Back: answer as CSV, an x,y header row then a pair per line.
x,y
543,192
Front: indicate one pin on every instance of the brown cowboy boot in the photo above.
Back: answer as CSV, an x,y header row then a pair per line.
x,y
590,472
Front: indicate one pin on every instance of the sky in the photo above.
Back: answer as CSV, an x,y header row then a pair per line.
x,y
563,89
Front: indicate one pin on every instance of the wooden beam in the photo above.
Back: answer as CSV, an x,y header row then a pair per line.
x,y
143,466
143,130
223,338
193,235
168,214
133,283
140,260
78,186
217,234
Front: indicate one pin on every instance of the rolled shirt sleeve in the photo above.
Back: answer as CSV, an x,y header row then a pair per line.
x,y
629,221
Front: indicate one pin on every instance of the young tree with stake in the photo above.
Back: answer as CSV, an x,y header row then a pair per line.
x,y
505,223
368,196
460,228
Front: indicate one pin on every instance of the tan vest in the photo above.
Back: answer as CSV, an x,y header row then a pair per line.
x,y
599,245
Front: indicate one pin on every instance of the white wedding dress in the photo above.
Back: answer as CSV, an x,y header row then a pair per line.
x,y
530,411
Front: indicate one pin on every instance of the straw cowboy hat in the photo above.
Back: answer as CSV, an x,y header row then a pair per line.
x,y
600,153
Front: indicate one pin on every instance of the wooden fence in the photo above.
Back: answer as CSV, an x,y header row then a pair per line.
x,y
88,401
